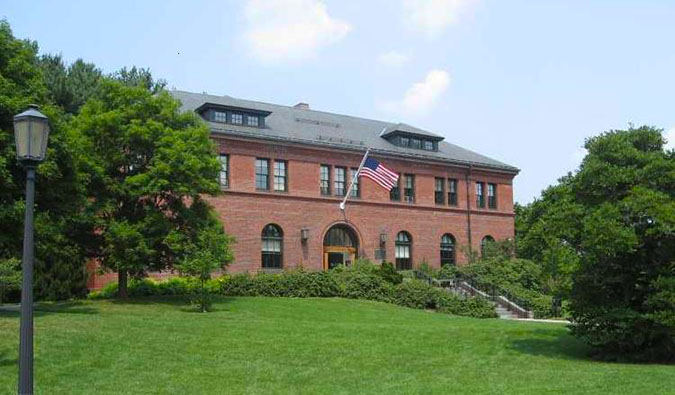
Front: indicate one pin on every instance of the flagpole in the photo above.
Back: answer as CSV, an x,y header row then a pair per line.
x,y
349,191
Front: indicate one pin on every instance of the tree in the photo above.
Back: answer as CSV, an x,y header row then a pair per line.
x,y
61,224
200,258
149,165
612,226
139,77
69,86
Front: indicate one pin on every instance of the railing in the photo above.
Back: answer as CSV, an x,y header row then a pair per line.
x,y
517,306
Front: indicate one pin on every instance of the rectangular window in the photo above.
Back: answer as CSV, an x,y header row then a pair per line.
x,y
220,116
395,192
409,188
324,180
340,176
237,119
415,143
402,255
280,177
480,196
271,253
428,145
405,141
224,177
252,120
356,191
452,191
262,172
492,195
439,192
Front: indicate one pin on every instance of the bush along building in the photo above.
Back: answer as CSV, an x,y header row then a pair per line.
x,y
285,171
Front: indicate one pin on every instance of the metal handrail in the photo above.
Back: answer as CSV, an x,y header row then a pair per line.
x,y
520,307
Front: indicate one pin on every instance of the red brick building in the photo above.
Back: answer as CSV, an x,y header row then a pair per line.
x,y
286,169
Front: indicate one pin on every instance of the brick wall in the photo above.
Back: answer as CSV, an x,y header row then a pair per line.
x,y
245,210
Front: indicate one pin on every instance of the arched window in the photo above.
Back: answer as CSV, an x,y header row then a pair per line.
x,y
272,247
447,249
484,243
403,251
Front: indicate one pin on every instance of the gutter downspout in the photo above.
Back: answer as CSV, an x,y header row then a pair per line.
x,y
468,207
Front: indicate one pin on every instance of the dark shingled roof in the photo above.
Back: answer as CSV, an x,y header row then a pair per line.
x,y
328,129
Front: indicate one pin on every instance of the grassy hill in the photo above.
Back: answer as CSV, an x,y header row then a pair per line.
x,y
276,345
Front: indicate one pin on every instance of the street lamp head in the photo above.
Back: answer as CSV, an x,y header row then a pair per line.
x,y
31,131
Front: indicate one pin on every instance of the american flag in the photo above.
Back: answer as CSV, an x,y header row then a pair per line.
x,y
376,171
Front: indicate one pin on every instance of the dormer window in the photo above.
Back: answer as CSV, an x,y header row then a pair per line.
x,y
233,115
407,136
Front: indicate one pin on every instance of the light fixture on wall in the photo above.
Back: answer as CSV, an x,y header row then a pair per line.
x,y
383,238
304,235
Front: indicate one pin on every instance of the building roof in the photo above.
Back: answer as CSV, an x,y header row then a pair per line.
x,y
313,127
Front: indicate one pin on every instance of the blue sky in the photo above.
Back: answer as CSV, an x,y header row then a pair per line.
x,y
524,82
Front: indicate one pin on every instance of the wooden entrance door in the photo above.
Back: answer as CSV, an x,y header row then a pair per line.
x,y
334,256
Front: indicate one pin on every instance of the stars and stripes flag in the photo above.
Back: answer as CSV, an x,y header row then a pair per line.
x,y
377,172
374,170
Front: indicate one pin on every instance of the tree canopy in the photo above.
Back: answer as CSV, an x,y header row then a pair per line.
x,y
61,227
149,165
606,235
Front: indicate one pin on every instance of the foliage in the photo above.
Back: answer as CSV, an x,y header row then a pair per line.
x,y
388,272
606,237
141,77
10,276
294,283
69,86
149,166
62,226
209,252
175,286
468,307
416,294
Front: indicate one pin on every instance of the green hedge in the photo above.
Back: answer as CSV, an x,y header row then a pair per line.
x,y
360,281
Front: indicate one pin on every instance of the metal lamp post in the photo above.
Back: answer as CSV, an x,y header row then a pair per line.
x,y
31,131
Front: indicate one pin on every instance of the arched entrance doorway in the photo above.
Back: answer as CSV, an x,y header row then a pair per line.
x,y
340,246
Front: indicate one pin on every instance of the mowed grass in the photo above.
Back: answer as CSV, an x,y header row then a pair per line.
x,y
329,346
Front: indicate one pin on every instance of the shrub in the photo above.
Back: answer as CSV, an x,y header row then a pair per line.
x,y
469,307
296,283
388,272
355,284
416,294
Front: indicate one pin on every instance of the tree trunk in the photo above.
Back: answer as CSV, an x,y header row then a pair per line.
x,y
122,284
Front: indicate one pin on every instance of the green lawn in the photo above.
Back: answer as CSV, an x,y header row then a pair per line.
x,y
266,345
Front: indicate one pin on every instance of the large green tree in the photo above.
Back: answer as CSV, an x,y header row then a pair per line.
x,y
61,225
609,231
149,165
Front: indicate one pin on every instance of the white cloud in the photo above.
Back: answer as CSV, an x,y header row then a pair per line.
x,y
421,97
433,16
393,58
670,138
290,30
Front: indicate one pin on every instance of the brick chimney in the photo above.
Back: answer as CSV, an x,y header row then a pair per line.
x,y
302,106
